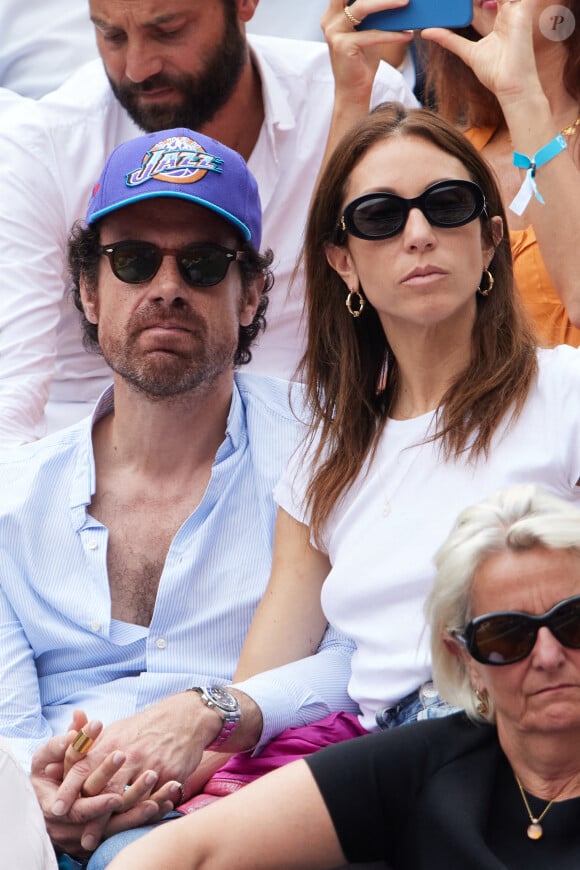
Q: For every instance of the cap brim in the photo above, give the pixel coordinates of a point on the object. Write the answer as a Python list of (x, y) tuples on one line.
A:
[(164, 194)]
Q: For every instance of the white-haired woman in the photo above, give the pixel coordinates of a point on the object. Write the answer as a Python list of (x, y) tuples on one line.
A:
[(495, 787)]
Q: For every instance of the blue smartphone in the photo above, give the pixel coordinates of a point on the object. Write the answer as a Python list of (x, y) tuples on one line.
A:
[(419, 14)]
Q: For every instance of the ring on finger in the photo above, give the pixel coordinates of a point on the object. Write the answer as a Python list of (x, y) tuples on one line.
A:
[(354, 21), (82, 743)]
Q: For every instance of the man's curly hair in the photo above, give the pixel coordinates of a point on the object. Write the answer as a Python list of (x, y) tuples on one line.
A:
[(83, 260)]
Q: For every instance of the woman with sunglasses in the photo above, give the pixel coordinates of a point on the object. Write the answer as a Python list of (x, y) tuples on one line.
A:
[(426, 392), (496, 786), (512, 82)]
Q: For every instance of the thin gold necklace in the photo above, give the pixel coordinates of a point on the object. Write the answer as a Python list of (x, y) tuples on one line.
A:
[(534, 829), (569, 130)]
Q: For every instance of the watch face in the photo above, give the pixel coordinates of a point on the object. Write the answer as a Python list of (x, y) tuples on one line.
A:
[(225, 700)]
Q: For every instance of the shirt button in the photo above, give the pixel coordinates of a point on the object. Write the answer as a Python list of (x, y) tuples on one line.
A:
[(161, 643), (96, 626), (93, 545)]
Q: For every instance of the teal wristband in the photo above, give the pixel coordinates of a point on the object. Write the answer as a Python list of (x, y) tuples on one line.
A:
[(529, 187)]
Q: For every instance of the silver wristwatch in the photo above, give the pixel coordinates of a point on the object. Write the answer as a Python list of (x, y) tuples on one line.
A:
[(224, 703)]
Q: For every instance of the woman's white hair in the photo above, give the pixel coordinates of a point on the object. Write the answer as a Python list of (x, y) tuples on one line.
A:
[(517, 518)]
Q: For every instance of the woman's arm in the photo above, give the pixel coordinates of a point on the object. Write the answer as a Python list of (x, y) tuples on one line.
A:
[(505, 62), (355, 57), (289, 623), (278, 821), (294, 667)]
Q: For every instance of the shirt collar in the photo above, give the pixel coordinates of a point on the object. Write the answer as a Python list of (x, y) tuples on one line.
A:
[(85, 482), (278, 112)]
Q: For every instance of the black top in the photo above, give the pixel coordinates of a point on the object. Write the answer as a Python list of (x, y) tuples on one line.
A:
[(439, 794)]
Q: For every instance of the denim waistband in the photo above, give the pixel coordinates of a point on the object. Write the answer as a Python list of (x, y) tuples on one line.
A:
[(424, 703)]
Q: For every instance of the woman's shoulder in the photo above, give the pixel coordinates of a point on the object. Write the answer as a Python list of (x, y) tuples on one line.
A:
[(562, 361)]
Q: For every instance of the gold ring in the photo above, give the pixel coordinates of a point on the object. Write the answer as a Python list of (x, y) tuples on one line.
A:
[(82, 742), (354, 21)]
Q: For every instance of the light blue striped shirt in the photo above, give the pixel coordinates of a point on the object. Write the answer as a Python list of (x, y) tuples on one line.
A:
[(59, 647)]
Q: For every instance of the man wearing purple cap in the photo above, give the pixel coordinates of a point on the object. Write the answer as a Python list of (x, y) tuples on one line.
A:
[(179, 63), (136, 544)]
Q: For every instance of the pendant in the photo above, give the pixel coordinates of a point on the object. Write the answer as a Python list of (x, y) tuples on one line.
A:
[(535, 831)]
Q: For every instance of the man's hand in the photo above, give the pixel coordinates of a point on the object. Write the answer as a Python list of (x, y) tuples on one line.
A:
[(161, 745), (65, 829), (86, 796), (96, 811)]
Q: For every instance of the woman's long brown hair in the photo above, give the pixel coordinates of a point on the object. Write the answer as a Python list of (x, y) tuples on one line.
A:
[(346, 358)]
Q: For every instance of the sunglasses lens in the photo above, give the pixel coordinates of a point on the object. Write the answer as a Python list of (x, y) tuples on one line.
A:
[(451, 205), (501, 640), (565, 624), (204, 266), (135, 263), (378, 217)]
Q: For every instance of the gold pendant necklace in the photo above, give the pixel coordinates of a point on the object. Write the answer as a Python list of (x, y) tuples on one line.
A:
[(534, 829)]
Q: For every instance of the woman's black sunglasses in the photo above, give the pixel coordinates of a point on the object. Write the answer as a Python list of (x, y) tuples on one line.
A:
[(200, 265), (508, 637), (381, 215)]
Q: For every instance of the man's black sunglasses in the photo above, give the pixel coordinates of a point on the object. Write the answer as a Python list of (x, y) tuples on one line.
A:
[(508, 637), (381, 215), (200, 265)]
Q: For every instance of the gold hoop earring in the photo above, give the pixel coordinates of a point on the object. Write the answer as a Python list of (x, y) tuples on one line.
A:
[(490, 283), (482, 702), (360, 303)]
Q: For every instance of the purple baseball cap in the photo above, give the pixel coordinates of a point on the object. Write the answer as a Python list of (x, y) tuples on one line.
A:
[(186, 165)]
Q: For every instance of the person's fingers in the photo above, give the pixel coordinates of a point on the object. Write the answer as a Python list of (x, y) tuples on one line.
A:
[(447, 39), (142, 813), (79, 719), (139, 790), (99, 778), (54, 771), (88, 809), (145, 813), (171, 792), (53, 751), (83, 741), (76, 767)]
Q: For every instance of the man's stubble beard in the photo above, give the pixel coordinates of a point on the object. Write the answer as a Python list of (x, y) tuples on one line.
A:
[(163, 374), (202, 96)]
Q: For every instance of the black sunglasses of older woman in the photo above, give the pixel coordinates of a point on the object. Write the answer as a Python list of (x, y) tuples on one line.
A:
[(508, 637), (380, 215)]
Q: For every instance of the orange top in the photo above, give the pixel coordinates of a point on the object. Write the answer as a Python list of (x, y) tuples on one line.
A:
[(533, 282)]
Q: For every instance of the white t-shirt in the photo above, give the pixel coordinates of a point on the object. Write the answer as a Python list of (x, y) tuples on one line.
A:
[(52, 154), (24, 841), (42, 42), (382, 538)]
